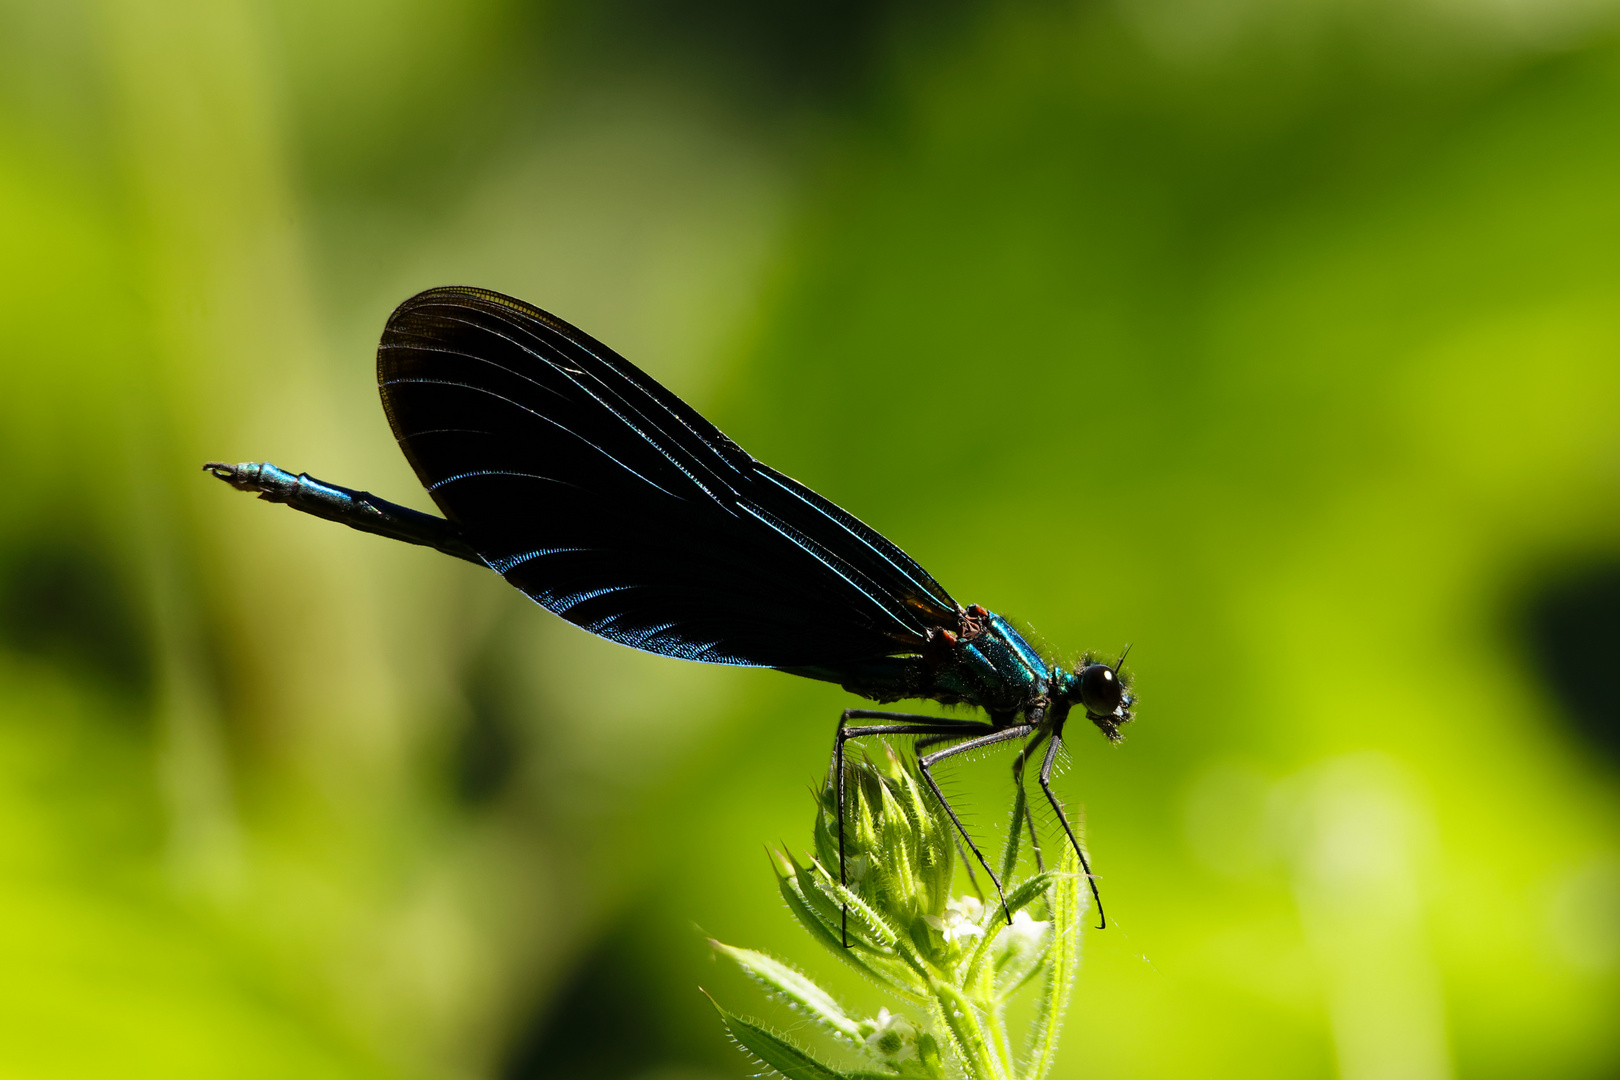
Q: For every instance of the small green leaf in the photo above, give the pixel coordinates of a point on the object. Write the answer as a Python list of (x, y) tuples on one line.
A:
[(1062, 960), (1015, 832), (772, 1050), (886, 936), (935, 840), (1034, 966), (1021, 897), (897, 844), (1031, 890), (962, 1020), (861, 917), (928, 1055), (799, 991), (863, 958)]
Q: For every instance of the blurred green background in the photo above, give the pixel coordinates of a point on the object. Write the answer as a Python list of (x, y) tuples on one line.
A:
[(1280, 339)]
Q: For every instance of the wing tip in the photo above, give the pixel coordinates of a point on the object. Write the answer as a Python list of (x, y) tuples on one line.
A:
[(477, 297)]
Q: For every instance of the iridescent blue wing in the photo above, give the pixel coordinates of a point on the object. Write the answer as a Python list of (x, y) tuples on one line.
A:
[(612, 503)]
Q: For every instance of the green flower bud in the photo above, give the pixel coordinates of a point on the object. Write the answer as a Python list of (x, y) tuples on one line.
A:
[(950, 962), (899, 846)]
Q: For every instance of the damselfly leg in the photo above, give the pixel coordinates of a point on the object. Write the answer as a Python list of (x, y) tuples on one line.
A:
[(1046, 786), (961, 852), (904, 724), (1018, 778), (925, 766)]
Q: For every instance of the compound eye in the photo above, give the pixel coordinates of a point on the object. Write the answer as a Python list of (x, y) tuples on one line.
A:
[(1100, 689)]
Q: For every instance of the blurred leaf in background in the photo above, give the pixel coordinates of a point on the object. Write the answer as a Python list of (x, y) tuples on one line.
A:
[(1281, 340)]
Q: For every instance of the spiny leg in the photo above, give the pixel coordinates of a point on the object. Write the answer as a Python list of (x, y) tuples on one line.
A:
[(973, 879), (934, 740), (924, 765), (1029, 815), (961, 852), (908, 724), (1046, 786), (1034, 841)]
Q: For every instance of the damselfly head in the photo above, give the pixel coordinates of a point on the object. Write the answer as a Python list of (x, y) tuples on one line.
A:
[(1101, 689)]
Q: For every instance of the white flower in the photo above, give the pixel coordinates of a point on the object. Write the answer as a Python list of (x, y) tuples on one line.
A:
[(961, 919), (968, 907), (1025, 935), (889, 1033)]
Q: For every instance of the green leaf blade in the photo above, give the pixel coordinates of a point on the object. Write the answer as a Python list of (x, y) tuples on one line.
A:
[(1062, 960), (963, 1022), (800, 993), (1021, 897), (772, 1050)]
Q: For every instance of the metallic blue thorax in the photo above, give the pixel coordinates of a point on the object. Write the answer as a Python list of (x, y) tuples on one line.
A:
[(997, 670), (994, 669)]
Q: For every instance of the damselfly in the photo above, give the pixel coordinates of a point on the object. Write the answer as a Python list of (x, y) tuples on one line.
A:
[(609, 501)]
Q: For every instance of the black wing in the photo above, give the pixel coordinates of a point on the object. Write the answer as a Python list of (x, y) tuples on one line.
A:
[(611, 502)]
